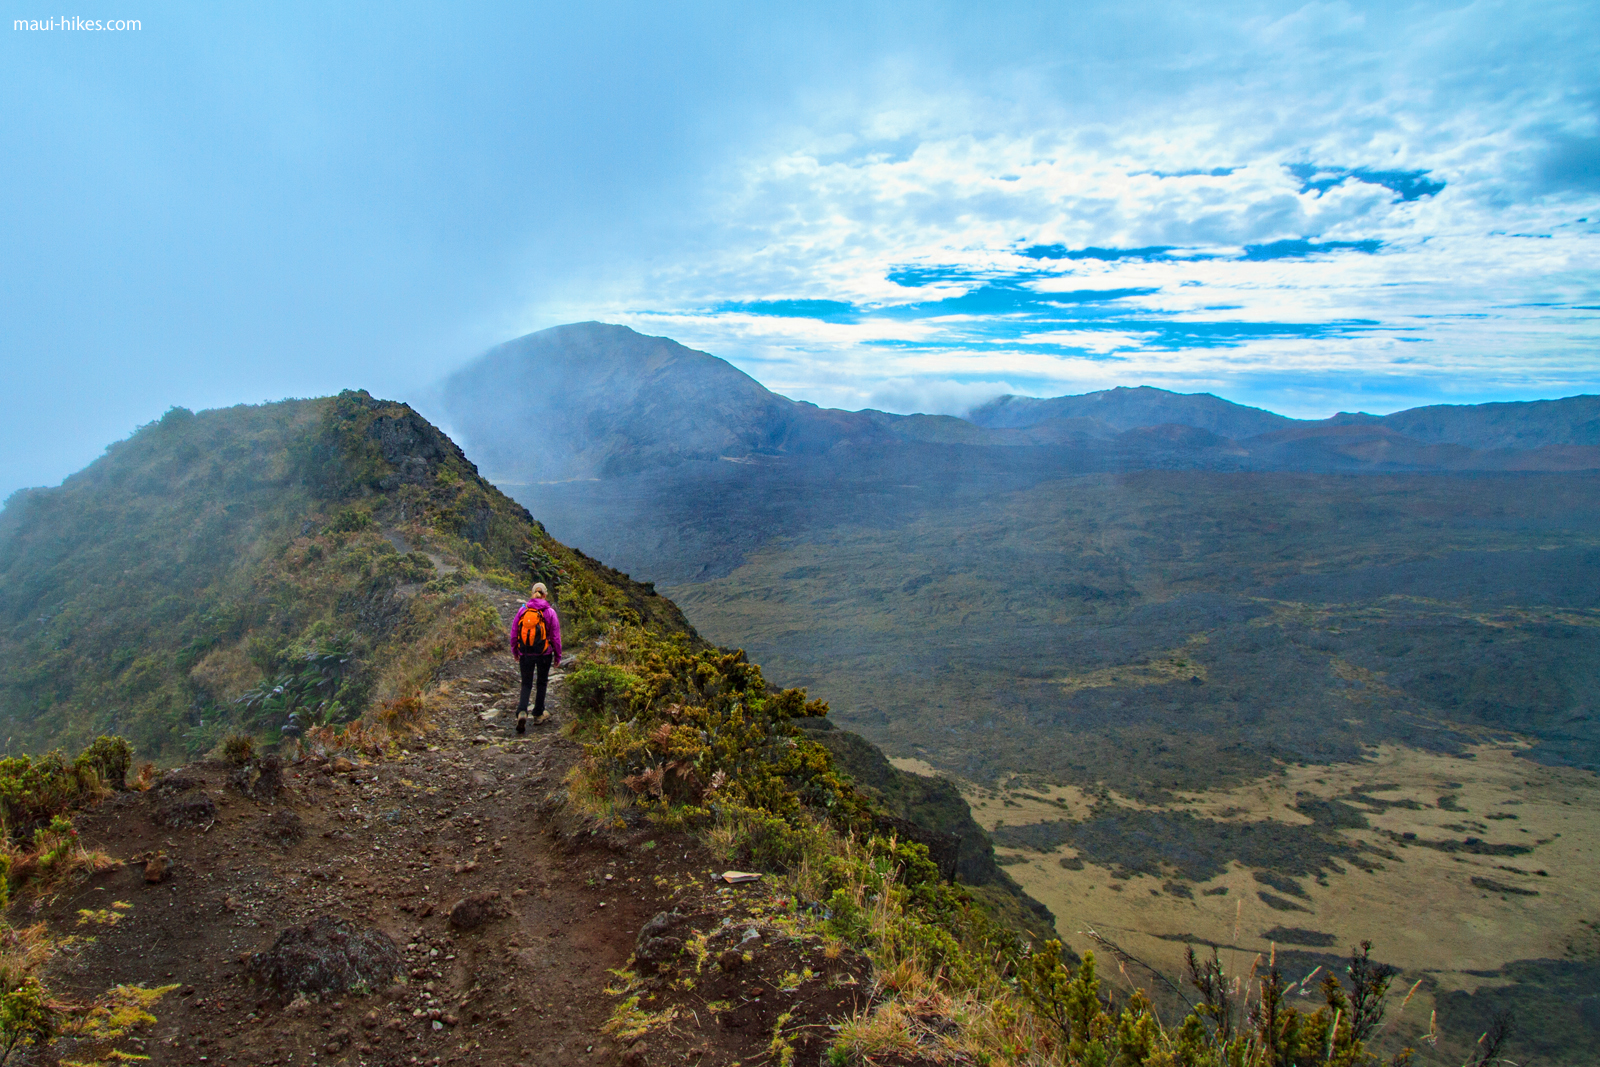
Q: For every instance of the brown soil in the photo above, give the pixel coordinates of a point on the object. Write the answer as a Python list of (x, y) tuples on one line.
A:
[(394, 847)]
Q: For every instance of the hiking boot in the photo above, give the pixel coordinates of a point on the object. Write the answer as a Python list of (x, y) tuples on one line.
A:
[(522, 724)]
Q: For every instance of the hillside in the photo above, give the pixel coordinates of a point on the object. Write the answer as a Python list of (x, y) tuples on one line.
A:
[(216, 571), (1572, 422), (1189, 696), (1131, 409), (331, 556), (340, 548)]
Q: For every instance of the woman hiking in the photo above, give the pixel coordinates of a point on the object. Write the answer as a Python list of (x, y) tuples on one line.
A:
[(536, 643)]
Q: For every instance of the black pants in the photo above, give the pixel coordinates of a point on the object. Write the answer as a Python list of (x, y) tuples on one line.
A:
[(533, 665)]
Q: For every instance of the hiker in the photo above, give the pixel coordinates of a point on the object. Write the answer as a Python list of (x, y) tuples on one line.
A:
[(536, 643)]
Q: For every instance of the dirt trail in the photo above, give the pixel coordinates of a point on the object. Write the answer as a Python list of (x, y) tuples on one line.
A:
[(408, 847), (391, 845)]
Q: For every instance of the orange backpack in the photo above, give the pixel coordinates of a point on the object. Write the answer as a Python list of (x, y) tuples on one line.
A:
[(533, 633)]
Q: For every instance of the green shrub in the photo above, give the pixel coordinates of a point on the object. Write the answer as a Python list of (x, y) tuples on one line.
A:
[(351, 520), (26, 1017), (446, 583), (411, 567), (753, 838), (238, 748), (598, 690), (316, 684), (35, 790), (110, 758), (846, 921), (545, 568), (53, 846)]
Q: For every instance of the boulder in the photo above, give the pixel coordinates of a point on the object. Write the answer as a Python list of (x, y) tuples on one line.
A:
[(171, 783), (282, 828), (327, 955), (661, 939), (187, 813), (477, 910), (261, 779)]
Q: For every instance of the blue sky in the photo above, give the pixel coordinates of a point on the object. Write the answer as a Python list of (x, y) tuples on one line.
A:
[(911, 206)]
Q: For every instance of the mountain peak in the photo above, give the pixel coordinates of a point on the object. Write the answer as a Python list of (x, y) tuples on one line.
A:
[(592, 399), (1132, 408)]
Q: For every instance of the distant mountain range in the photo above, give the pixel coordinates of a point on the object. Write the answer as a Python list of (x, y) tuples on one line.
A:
[(593, 400), (818, 539), (1573, 421)]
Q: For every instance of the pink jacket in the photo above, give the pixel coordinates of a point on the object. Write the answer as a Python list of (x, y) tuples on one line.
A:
[(538, 603)]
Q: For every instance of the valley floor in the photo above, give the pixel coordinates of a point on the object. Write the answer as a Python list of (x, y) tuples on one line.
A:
[(1468, 867)]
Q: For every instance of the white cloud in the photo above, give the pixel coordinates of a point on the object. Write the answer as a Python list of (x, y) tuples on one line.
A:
[(907, 168)]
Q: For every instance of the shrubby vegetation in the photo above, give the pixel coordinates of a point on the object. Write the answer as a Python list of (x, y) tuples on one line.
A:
[(40, 854), (693, 737), (36, 790), (220, 571)]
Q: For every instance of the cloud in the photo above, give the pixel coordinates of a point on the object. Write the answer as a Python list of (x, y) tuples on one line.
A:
[(1214, 172), (1300, 249), (1350, 205), (1109, 255), (934, 396)]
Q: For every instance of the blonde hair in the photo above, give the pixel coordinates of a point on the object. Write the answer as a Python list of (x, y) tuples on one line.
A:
[(540, 590)]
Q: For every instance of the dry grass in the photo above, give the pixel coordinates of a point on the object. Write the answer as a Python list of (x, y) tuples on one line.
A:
[(226, 672), (390, 722), (145, 778), (23, 950), (237, 748), (54, 861), (1017, 802)]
